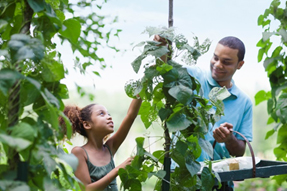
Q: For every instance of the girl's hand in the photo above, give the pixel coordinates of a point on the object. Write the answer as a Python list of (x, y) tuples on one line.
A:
[(128, 161), (160, 39)]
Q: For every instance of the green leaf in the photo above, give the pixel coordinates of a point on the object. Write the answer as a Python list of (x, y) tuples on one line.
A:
[(134, 184), (50, 163), (268, 61), (133, 88), (178, 158), (52, 71), (146, 113), (158, 51), (282, 134), (181, 147), (68, 125), (206, 146), (160, 174), (3, 25), (182, 93), (37, 5), (262, 96), (177, 121), (266, 35), (159, 154), (207, 178), (283, 33), (164, 113), (140, 149), (71, 160), (194, 146), (163, 68), (139, 45), (12, 185), (260, 20), (23, 47), (29, 93), (270, 120), (136, 64), (269, 134), (8, 78), (192, 166), (25, 131), (260, 54), (17, 143), (72, 30), (279, 152)]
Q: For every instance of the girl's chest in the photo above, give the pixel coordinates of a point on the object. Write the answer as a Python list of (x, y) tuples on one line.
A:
[(100, 158)]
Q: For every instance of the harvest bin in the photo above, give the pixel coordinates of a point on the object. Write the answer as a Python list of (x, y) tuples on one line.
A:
[(264, 169)]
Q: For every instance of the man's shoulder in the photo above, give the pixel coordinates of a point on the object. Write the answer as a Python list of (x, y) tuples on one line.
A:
[(243, 96), (196, 71)]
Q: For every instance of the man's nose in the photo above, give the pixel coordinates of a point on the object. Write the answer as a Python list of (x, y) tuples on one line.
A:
[(218, 64)]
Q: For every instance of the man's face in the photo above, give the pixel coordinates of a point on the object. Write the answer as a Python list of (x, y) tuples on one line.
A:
[(223, 64)]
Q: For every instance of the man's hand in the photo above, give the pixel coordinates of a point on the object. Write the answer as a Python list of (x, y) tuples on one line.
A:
[(223, 134)]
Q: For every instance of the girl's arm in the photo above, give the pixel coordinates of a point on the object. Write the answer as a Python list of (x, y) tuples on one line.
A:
[(117, 139), (82, 172)]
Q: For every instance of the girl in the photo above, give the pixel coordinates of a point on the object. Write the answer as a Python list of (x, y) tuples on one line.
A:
[(96, 168)]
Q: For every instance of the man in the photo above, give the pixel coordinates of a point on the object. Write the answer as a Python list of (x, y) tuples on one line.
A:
[(227, 59)]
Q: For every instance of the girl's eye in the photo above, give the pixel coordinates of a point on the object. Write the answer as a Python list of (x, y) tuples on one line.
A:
[(102, 113)]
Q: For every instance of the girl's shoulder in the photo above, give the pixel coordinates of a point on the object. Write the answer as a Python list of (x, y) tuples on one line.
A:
[(79, 151)]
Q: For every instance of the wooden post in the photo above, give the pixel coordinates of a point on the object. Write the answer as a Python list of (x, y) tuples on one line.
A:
[(167, 159)]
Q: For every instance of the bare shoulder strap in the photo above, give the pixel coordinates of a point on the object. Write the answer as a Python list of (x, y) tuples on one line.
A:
[(86, 153)]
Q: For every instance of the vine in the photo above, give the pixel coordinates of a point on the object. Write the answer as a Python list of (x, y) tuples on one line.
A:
[(172, 96)]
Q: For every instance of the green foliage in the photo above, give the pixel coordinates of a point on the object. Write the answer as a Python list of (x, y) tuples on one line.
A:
[(172, 96), (274, 25), (31, 92)]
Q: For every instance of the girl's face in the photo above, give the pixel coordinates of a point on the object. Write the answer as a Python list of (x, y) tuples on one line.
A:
[(101, 120)]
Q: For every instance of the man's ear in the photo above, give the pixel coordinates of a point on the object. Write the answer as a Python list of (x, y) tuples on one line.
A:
[(86, 125), (240, 64)]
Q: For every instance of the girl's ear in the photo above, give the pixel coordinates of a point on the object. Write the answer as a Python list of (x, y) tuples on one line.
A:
[(86, 125)]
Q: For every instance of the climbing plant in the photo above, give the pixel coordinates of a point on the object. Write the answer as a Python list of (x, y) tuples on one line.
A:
[(173, 97), (31, 91), (272, 51)]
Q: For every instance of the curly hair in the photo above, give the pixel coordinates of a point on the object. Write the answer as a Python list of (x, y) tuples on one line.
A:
[(77, 116)]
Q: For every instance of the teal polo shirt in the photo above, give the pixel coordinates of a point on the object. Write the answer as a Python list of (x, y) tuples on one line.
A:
[(237, 111)]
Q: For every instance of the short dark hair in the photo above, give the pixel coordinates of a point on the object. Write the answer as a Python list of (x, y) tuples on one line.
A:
[(234, 43)]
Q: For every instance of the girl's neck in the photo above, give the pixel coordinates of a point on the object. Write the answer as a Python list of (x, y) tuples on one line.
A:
[(96, 144)]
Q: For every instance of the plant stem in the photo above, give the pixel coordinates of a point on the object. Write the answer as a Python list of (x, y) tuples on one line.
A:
[(14, 96)]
